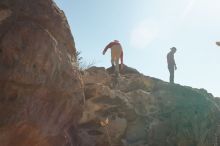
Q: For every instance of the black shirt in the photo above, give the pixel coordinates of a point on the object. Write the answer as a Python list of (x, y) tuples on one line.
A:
[(170, 59)]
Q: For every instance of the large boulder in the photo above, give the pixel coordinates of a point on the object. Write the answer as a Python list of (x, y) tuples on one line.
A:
[(144, 111), (41, 91)]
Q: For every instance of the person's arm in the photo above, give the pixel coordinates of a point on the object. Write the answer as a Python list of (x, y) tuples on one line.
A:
[(174, 63), (106, 48)]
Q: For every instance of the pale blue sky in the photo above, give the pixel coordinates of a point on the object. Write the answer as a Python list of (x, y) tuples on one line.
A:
[(147, 30)]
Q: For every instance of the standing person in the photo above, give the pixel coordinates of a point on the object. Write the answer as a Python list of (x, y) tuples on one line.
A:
[(116, 54), (171, 63)]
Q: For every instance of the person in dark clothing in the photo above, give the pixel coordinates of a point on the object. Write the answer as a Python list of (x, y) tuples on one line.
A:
[(171, 63)]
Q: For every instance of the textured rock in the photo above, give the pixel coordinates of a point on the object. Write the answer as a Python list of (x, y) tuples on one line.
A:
[(132, 82), (96, 75), (126, 70), (4, 14), (142, 102), (144, 111), (41, 91), (94, 90)]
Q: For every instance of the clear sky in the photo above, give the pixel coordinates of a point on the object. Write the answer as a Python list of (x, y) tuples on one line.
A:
[(147, 29)]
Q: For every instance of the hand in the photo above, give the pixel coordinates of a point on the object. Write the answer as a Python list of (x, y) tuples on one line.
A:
[(175, 67), (103, 52)]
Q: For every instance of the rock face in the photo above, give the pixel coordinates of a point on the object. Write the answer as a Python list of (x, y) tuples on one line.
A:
[(143, 111), (41, 91)]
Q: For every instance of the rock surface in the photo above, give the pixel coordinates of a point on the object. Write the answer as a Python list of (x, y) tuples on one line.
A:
[(41, 90), (143, 111)]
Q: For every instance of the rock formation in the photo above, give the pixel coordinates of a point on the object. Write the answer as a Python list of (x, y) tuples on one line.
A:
[(144, 111), (41, 90)]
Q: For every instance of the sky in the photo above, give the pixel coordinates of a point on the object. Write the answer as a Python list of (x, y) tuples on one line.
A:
[(147, 29)]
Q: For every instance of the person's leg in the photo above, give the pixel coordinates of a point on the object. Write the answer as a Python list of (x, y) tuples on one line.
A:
[(112, 59), (171, 70), (118, 52), (117, 66)]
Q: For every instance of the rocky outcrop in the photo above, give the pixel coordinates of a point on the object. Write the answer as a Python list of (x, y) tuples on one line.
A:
[(41, 91), (143, 111)]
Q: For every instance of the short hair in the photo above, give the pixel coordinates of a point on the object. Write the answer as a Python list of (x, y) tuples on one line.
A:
[(173, 49)]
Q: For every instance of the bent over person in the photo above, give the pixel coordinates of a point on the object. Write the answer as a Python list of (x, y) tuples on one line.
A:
[(171, 63), (116, 54)]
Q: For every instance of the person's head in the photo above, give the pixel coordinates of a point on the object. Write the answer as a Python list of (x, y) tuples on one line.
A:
[(218, 43), (173, 49), (117, 41)]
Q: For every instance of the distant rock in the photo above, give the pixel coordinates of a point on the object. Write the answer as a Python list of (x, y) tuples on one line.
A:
[(41, 90)]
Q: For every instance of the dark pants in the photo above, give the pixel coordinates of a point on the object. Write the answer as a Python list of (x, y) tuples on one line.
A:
[(171, 70)]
